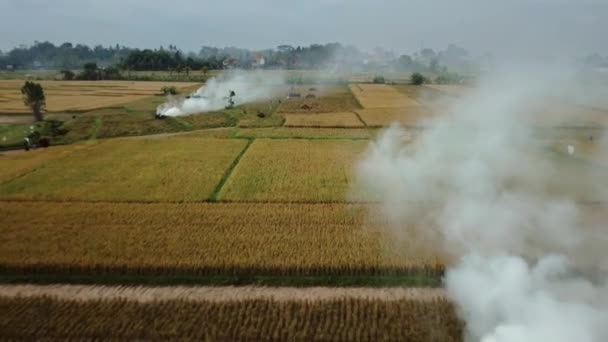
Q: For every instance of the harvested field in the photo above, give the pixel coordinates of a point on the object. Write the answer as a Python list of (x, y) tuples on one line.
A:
[(332, 120), (413, 116), (294, 170), (129, 170), (305, 133), (204, 239), (343, 319), (81, 95), (327, 99), (380, 96)]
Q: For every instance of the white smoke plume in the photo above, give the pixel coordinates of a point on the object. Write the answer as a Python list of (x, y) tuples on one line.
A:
[(214, 95), (507, 211)]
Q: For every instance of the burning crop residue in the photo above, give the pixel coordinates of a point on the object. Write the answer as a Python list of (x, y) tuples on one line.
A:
[(482, 184), (230, 89)]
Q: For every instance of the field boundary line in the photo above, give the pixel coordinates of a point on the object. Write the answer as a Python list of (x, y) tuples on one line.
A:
[(25, 173), (360, 119), (228, 173), (96, 127)]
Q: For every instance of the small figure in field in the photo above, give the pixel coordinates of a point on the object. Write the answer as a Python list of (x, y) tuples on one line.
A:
[(231, 96)]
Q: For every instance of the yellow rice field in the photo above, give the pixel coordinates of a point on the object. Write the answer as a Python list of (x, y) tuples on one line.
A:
[(202, 238), (336, 119), (81, 95), (182, 169), (406, 116), (295, 170), (380, 96)]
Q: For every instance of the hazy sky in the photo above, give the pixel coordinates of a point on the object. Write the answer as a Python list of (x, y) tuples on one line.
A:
[(520, 26)]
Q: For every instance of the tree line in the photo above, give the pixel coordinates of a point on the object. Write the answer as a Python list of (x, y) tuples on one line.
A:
[(67, 56)]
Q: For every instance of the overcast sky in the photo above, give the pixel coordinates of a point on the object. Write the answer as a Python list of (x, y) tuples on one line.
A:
[(519, 26)]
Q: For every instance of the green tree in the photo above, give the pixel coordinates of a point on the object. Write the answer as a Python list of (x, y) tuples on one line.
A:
[(417, 79), (68, 74), (33, 97)]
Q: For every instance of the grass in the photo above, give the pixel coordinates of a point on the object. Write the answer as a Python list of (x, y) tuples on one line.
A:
[(198, 240), (131, 170), (295, 170), (335, 120), (340, 319)]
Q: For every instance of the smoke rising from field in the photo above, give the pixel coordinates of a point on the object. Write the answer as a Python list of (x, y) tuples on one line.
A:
[(214, 95), (481, 182)]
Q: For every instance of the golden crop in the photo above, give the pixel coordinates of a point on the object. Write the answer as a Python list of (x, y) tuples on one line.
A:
[(380, 96), (81, 95), (338, 119), (181, 169), (344, 319), (295, 170), (203, 239)]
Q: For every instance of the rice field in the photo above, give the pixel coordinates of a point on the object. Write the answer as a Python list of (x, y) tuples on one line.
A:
[(319, 99), (380, 96), (128, 170), (331, 120), (304, 133), (204, 239), (17, 164), (342, 319), (78, 96), (413, 116), (295, 170)]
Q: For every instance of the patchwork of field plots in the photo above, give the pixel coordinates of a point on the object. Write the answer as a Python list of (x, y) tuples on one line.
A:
[(130, 170), (336, 120), (295, 170), (380, 96), (202, 239), (81, 95)]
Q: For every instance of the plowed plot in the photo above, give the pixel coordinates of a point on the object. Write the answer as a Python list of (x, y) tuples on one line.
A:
[(380, 96), (131, 170), (335, 120), (81, 95), (295, 170), (321, 99), (201, 239), (406, 116)]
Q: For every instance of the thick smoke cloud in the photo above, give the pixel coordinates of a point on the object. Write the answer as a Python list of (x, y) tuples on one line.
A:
[(215, 94), (482, 185)]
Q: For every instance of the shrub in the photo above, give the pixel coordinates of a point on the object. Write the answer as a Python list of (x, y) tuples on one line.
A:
[(379, 80), (417, 79), (168, 90)]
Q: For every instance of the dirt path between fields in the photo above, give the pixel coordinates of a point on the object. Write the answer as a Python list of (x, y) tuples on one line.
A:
[(215, 294)]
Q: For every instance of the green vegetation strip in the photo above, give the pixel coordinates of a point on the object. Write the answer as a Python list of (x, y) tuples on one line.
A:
[(412, 280), (218, 188)]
